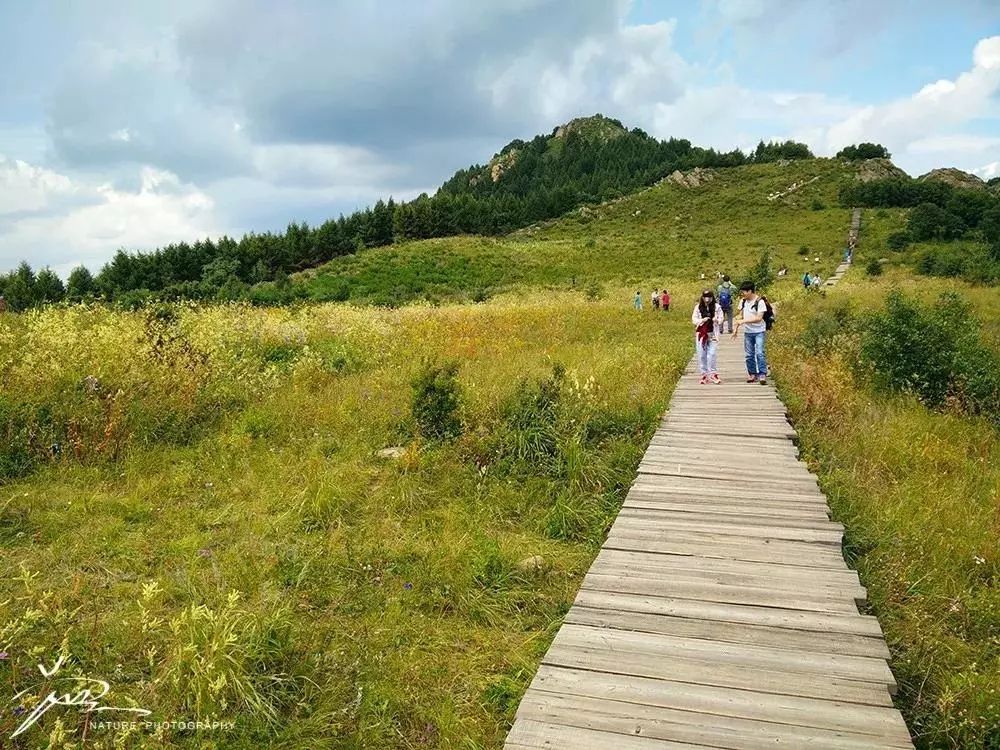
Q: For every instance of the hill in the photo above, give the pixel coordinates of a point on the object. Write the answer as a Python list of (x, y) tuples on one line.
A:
[(669, 231), (586, 160)]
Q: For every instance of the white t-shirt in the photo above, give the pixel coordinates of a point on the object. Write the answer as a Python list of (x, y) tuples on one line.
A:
[(751, 309)]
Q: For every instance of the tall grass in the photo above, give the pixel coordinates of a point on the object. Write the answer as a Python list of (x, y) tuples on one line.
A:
[(917, 485), (265, 565)]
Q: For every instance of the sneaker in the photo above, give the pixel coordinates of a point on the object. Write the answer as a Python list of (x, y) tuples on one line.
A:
[(762, 381), (716, 380), (752, 379), (704, 380)]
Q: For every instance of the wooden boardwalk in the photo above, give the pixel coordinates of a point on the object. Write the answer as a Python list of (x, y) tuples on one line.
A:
[(719, 612)]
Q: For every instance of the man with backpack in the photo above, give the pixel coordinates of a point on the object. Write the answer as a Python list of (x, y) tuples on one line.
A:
[(725, 294), (756, 318)]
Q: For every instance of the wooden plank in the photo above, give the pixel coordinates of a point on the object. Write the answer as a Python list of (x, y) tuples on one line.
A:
[(778, 617), (718, 674), (667, 575), (720, 544), (679, 588), (654, 521), (774, 570), (769, 568), (751, 656), (712, 630), (699, 548), (723, 514), (748, 704), (527, 733), (705, 730)]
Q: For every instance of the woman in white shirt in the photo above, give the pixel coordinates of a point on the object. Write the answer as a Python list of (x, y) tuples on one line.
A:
[(707, 319)]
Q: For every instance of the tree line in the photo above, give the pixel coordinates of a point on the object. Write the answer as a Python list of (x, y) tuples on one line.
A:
[(540, 180), (939, 213)]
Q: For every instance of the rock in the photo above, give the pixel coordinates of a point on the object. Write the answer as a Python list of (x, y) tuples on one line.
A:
[(533, 564), (878, 169), (394, 452), (91, 384), (955, 178)]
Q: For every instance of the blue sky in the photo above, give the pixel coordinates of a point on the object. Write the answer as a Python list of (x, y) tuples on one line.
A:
[(136, 124)]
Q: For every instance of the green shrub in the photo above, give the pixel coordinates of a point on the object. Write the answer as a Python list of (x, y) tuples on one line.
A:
[(898, 240), (934, 352), (530, 433), (824, 329), (817, 204), (435, 402), (873, 267)]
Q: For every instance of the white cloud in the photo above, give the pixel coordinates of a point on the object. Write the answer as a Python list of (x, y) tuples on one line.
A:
[(162, 210), (24, 187), (988, 171), (933, 110)]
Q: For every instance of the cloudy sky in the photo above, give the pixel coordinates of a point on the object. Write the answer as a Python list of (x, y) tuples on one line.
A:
[(127, 124)]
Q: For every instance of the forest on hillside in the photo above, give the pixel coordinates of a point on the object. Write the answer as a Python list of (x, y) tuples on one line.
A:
[(587, 161)]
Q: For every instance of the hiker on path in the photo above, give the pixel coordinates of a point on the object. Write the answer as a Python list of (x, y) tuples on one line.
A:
[(817, 282), (638, 300), (752, 312), (806, 281), (726, 292), (665, 301), (654, 298), (707, 319)]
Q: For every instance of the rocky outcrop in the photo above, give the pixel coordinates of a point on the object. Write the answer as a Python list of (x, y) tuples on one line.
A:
[(955, 178), (503, 162), (695, 178), (878, 169), (597, 127)]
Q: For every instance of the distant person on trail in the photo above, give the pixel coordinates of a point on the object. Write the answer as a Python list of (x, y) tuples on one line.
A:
[(707, 320), (783, 271), (655, 299), (665, 301), (752, 312), (816, 281), (638, 300), (806, 281), (726, 292)]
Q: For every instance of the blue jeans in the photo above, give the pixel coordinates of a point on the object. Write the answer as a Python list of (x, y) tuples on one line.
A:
[(727, 313), (753, 347)]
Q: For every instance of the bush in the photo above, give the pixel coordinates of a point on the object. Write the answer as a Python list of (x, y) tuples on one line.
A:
[(933, 352), (823, 330), (817, 204), (898, 240), (761, 273), (864, 151), (873, 267), (929, 221), (436, 399)]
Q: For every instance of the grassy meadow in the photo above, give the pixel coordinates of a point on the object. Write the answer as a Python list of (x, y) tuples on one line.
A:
[(198, 514)]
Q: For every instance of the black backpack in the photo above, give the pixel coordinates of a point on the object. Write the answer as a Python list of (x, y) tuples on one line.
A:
[(768, 314)]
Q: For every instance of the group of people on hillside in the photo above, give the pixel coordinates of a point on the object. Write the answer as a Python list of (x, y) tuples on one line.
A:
[(811, 281), (714, 314), (659, 300)]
